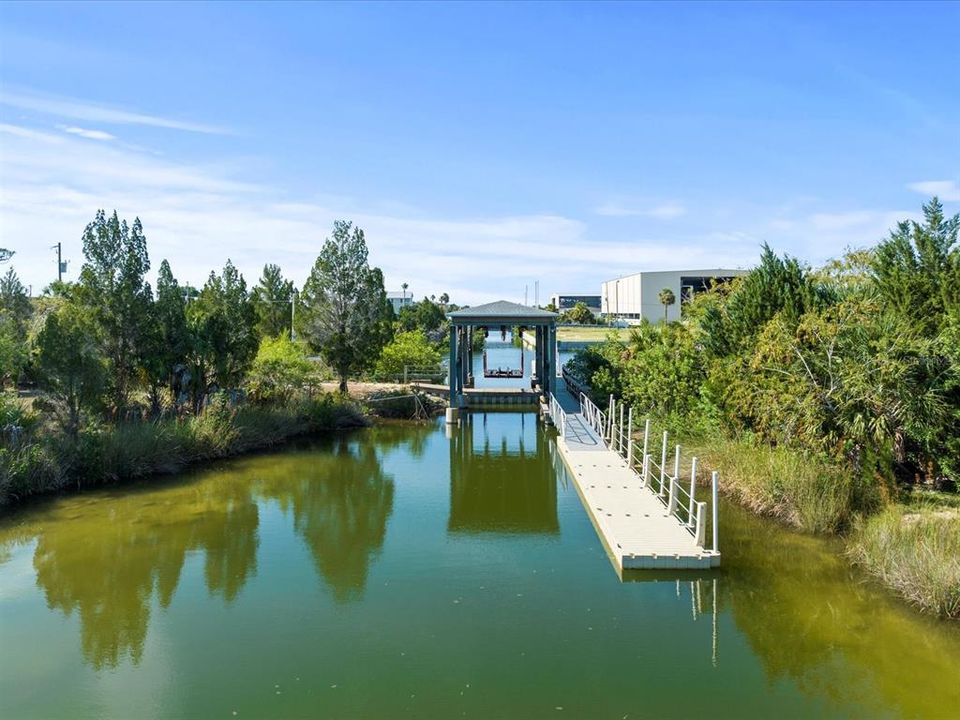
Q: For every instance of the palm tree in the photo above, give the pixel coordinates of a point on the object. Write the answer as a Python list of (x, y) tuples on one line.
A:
[(404, 286), (667, 298)]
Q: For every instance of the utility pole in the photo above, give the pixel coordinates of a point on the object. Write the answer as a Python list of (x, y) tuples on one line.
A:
[(293, 315), (526, 290), (60, 265)]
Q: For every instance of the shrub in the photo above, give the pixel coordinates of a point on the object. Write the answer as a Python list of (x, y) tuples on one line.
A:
[(409, 349)]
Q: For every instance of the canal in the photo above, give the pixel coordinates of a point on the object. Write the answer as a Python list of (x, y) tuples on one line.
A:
[(398, 572)]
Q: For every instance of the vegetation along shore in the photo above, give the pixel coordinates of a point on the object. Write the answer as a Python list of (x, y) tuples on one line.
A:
[(828, 398)]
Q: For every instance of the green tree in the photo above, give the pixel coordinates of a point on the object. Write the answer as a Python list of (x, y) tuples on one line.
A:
[(70, 368), (113, 288), (271, 302), (345, 310), (169, 341), (918, 268), (666, 298), (580, 314), (221, 320), (409, 349), (279, 370), (15, 311), (425, 315)]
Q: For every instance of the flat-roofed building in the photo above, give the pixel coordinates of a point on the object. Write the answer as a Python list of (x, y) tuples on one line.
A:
[(635, 297), (567, 302)]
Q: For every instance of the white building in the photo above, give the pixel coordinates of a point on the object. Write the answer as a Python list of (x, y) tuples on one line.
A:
[(400, 299), (635, 297)]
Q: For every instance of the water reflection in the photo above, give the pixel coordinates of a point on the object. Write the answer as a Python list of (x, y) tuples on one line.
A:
[(340, 507), (108, 555), (106, 559), (501, 481)]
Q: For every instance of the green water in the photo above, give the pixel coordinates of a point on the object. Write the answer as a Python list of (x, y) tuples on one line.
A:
[(397, 573)]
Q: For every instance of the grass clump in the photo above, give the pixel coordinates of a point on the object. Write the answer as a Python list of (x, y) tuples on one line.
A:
[(914, 550), (799, 489)]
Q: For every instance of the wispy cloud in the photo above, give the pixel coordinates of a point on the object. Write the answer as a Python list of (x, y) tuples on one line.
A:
[(89, 134), (662, 211), (947, 190), (92, 112)]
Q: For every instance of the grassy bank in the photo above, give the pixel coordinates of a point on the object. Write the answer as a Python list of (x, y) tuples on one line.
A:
[(800, 490), (911, 546), (47, 461), (915, 551)]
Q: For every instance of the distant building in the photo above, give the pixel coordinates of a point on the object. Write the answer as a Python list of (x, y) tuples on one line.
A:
[(566, 302), (399, 300), (635, 297)]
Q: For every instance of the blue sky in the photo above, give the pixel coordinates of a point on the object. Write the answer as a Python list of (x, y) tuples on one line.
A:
[(482, 147)]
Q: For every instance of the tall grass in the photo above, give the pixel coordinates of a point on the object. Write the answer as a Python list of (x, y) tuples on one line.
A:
[(802, 490), (50, 461), (916, 553)]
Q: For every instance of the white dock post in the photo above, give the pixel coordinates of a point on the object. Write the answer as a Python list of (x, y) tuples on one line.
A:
[(611, 408), (672, 503), (646, 470), (630, 439), (716, 529), (620, 432), (676, 463), (693, 491), (646, 437), (663, 462)]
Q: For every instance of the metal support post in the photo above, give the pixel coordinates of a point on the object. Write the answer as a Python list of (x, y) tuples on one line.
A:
[(630, 439), (715, 481), (693, 491)]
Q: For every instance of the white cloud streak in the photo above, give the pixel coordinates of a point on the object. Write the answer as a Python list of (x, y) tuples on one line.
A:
[(91, 112), (946, 190), (664, 211), (88, 134)]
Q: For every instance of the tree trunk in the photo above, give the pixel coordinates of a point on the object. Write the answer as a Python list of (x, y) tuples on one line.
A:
[(343, 385)]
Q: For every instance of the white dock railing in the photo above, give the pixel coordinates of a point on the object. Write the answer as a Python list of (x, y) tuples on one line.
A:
[(615, 427), (558, 415)]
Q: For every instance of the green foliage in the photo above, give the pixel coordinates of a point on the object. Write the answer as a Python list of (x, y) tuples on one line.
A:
[(345, 310), (113, 289), (15, 312), (71, 371), (663, 372), (279, 370), (579, 314), (666, 298), (272, 298), (425, 315), (777, 286), (168, 341), (221, 322), (917, 268), (407, 349)]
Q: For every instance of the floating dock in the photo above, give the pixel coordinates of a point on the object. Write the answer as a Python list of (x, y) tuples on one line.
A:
[(645, 519)]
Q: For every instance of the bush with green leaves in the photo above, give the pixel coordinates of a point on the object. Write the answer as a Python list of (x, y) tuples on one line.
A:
[(279, 371), (411, 350)]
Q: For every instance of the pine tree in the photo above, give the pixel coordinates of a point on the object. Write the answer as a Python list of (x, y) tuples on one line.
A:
[(271, 301), (345, 310)]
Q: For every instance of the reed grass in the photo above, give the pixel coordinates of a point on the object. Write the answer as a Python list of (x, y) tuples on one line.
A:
[(50, 461), (914, 551)]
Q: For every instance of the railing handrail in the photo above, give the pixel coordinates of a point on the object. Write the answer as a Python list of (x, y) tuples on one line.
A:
[(665, 483)]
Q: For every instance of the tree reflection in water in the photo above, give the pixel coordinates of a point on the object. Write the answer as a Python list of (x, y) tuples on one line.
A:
[(105, 555), (340, 509)]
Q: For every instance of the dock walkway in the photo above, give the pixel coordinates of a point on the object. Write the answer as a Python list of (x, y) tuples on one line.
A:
[(645, 520)]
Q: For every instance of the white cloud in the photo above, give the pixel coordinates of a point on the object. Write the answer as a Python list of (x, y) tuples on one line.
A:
[(89, 134), (91, 112), (946, 190), (619, 208)]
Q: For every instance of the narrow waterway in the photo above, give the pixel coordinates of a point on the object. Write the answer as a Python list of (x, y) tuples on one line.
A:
[(399, 572)]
